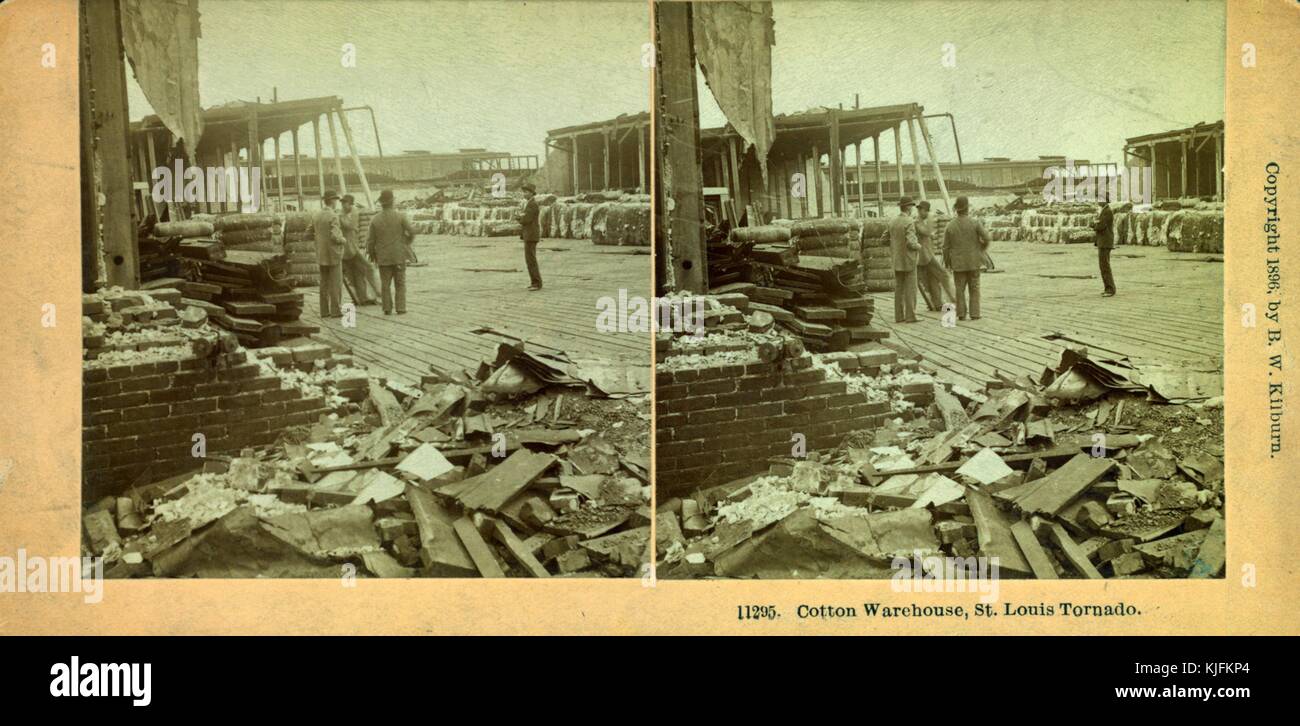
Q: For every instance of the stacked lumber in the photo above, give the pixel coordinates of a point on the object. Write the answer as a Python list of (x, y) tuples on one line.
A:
[(825, 295), (159, 262), (245, 293)]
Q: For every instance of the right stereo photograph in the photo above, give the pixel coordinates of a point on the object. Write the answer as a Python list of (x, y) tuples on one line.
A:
[(939, 285)]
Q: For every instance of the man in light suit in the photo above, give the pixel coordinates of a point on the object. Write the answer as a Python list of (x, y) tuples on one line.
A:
[(903, 247), (330, 244)]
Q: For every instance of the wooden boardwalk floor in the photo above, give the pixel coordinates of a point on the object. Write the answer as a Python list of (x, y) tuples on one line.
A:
[(472, 283), (1169, 307)]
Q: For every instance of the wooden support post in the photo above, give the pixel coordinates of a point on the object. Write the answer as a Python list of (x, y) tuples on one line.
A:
[(605, 179), (880, 182), (640, 161), (857, 156), (279, 176), (686, 267), (916, 157), (816, 186), (898, 159), (741, 195), (1218, 167), (833, 154), (1182, 186), (238, 188), (356, 160), (574, 154), (254, 162), (934, 164), (107, 78), (338, 161), (320, 157), (297, 169)]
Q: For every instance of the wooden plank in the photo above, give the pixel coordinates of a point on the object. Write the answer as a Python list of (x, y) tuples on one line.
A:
[(478, 550), (1051, 493), (441, 551), (1213, 555), (1033, 551), (518, 550), (1073, 552), (993, 528), (506, 479)]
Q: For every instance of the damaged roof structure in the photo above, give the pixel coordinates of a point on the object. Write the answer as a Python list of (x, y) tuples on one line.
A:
[(1184, 162)]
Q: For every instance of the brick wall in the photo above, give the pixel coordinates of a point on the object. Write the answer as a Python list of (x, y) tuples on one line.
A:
[(715, 424), (143, 417)]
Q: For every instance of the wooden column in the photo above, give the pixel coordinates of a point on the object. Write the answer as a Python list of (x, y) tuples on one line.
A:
[(338, 161), (898, 159), (678, 154), (356, 160), (833, 154), (107, 78), (605, 180), (742, 194), (640, 160), (574, 139), (1182, 186), (279, 176), (934, 163), (857, 156), (916, 157), (297, 169), (880, 182), (1218, 167), (238, 188), (320, 157)]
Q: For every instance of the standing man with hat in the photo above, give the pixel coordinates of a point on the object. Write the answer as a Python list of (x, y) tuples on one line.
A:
[(903, 247), (964, 243), (330, 245), (356, 271), (531, 233), (389, 240), (1105, 242), (931, 275)]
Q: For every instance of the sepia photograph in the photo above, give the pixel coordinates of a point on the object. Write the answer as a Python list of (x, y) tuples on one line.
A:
[(355, 282), (942, 290)]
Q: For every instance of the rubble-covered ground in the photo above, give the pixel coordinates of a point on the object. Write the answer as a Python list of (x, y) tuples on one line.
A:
[(1101, 469), (524, 467)]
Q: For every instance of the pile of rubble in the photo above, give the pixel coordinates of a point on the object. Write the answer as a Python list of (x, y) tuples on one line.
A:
[(1099, 469), (530, 466)]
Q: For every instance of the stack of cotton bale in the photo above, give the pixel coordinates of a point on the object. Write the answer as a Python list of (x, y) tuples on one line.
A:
[(300, 249), (253, 232), (1195, 231), (621, 223), (829, 237)]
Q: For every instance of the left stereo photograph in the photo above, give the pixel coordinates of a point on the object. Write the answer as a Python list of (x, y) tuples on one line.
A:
[(365, 288)]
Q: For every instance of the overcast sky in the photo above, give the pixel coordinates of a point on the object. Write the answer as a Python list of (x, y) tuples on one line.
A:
[(1032, 77), (440, 75)]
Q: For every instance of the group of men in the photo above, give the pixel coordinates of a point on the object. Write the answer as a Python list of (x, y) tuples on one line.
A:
[(388, 240), (338, 252), (914, 258), (965, 243)]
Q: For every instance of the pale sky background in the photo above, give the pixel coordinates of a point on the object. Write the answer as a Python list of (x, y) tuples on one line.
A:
[(440, 75), (1033, 77)]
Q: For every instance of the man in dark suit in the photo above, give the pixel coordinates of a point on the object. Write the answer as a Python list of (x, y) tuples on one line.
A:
[(1104, 227), (903, 248), (530, 232), (964, 246)]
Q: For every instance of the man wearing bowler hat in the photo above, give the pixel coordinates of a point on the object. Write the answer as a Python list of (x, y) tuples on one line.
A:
[(530, 232), (964, 244), (330, 245), (903, 247), (389, 239)]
